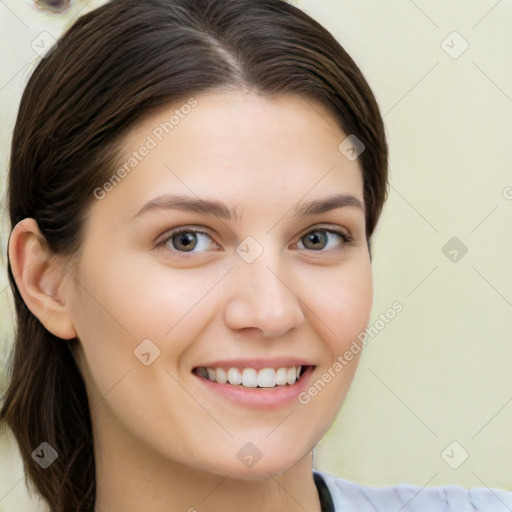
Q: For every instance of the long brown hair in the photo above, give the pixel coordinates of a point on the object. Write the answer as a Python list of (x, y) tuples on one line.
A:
[(114, 65)]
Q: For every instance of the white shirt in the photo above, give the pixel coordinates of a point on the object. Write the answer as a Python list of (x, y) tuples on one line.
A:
[(348, 496)]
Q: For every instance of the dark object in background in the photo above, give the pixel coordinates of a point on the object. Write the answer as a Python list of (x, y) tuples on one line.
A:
[(53, 6)]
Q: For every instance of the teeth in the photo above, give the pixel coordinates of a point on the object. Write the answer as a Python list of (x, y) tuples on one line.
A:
[(203, 372), (267, 378), (234, 377), (249, 378), (220, 376), (291, 375), (252, 378), (281, 377)]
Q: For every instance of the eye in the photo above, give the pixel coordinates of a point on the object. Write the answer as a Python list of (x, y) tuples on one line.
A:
[(187, 240), (192, 240), (320, 239)]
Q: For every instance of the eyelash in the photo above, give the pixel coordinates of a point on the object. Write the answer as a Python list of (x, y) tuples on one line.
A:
[(345, 237)]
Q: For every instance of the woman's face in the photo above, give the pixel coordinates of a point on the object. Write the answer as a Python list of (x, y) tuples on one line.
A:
[(236, 239)]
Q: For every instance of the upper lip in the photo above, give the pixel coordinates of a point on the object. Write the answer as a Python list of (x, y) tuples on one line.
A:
[(278, 362)]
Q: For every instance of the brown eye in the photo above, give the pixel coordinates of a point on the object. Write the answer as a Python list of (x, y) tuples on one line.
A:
[(315, 240), (320, 239), (188, 240), (185, 241)]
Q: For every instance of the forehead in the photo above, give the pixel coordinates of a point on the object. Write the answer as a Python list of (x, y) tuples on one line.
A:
[(239, 147)]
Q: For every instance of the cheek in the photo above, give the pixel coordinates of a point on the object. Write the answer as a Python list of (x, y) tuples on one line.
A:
[(141, 300), (120, 315), (117, 309), (342, 302), (342, 306)]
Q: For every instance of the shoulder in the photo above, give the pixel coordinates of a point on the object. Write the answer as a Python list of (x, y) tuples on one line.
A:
[(349, 496)]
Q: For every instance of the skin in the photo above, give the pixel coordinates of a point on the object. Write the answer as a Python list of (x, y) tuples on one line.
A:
[(161, 441)]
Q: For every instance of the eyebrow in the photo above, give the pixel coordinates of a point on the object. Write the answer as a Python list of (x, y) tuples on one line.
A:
[(223, 211)]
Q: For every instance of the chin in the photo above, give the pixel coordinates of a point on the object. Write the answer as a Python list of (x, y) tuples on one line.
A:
[(262, 469)]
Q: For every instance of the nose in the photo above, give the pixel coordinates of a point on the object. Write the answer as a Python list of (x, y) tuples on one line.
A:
[(262, 298)]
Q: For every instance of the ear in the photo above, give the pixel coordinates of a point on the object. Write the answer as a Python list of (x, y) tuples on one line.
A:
[(40, 277)]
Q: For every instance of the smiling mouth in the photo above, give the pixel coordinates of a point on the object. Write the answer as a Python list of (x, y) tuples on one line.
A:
[(252, 378)]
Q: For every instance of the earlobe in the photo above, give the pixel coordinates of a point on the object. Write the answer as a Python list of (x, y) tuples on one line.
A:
[(40, 277)]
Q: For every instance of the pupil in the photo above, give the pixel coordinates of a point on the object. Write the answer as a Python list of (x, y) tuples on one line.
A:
[(185, 241)]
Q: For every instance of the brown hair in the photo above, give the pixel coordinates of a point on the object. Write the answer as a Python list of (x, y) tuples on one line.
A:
[(114, 65)]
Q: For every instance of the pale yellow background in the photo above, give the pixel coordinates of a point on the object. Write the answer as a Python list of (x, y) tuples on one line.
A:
[(441, 370)]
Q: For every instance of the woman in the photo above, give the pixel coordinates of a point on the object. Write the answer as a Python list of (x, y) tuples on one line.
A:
[(192, 200)]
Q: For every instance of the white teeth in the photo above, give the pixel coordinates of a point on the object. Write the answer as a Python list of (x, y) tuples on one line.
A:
[(251, 378), (281, 377), (267, 378), (291, 375), (234, 376), (220, 376)]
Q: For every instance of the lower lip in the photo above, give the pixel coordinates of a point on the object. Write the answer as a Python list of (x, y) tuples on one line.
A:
[(260, 398)]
